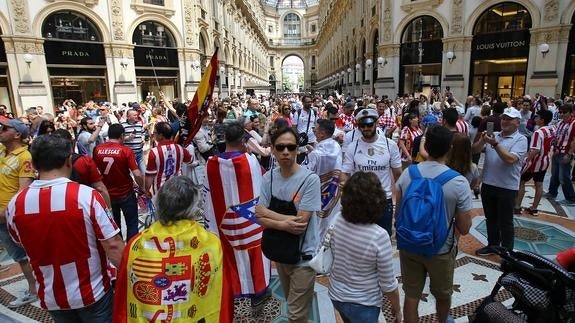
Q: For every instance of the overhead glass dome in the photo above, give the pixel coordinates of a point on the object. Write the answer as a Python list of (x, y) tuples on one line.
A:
[(291, 3)]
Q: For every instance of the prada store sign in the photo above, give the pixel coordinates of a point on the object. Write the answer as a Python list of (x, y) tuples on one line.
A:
[(501, 45), (156, 56), (74, 53)]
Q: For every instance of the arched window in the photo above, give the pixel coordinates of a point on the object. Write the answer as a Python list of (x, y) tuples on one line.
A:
[(70, 25), (504, 17), (422, 29), (292, 26), (153, 34)]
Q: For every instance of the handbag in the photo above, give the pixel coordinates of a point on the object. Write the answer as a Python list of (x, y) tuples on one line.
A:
[(323, 259), (282, 246)]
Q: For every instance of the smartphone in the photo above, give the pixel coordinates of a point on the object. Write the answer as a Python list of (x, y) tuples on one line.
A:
[(490, 128)]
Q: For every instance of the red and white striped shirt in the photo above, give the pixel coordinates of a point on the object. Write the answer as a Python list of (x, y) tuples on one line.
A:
[(540, 141), (565, 134), (165, 160), (60, 224), (386, 120), (462, 126), (345, 122)]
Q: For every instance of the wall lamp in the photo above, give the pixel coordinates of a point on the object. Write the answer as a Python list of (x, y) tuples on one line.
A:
[(544, 49), (358, 66), (450, 56), (124, 62), (222, 70), (381, 61), (195, 65), (28, 58), (349, 70)]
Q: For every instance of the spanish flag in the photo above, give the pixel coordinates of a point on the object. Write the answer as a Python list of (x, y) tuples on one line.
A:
[(171, 274), (198, 109)]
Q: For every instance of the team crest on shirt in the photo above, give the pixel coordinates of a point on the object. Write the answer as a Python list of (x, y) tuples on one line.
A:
[(371, 151)]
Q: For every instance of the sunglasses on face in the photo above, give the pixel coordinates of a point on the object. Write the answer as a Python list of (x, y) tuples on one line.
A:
[(281, 147), (366, 125)]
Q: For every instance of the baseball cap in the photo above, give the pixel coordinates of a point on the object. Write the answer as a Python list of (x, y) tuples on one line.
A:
[(366, 116), (428, 120), (18, 125), (135, 106), (512, 113)]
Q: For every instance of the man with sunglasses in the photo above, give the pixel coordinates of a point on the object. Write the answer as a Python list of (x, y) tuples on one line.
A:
[(16, 173), (375, 153)]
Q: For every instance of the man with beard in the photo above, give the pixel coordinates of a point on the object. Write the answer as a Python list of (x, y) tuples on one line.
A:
[(374, 153), (304, 122), (89, 136)]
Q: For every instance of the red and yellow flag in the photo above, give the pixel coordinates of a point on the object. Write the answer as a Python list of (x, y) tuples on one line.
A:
[(198, 108), (171, 274)]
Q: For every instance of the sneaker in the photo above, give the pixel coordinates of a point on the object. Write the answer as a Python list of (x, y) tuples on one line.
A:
[(485, 251), (517, 210), (549, 196), (567, 202), (532, 211), (3, 268), (26, 298)]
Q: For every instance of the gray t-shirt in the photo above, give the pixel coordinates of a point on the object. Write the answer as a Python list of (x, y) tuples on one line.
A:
[(456, 193), (308, 198), (497, 172)]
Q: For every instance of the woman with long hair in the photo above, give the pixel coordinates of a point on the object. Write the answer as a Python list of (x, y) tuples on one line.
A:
[(362, 270), (459, 158)]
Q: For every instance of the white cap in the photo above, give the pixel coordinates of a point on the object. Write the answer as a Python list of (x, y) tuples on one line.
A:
[(512, 113), (367, 113)]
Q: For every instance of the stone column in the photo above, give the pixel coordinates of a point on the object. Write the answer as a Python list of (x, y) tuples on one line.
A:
[(388, 72), (547, 52), (27, 73), (456, 71), (121, 72)]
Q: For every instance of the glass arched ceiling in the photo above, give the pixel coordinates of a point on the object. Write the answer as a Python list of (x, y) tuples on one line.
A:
[(291, 3)]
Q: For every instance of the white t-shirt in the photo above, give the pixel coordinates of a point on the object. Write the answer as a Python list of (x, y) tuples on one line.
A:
[(377, 157)]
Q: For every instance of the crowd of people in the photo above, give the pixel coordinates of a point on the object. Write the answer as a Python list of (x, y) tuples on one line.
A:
[(264, 179)]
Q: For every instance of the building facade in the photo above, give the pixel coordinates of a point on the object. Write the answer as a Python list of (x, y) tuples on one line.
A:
[(126, 50), (488, 48)]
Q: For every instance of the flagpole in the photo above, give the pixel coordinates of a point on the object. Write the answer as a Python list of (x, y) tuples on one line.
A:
[(154, 70)]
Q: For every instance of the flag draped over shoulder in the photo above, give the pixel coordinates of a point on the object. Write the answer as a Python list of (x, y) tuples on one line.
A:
[(232, 193), (198, 109), (171, 273), (326, 161)]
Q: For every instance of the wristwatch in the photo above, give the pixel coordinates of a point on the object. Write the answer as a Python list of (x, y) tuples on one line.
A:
[(494, 145)]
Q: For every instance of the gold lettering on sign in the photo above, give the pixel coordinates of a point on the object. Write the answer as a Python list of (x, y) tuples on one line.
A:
[(73, 53)]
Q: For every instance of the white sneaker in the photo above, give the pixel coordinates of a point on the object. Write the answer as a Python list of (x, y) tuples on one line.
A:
[(25, 298)]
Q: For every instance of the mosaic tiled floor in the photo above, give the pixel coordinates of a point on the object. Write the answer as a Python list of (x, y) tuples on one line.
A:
[(474, 277)]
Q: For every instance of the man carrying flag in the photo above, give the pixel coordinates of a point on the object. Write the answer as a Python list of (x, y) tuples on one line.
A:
[(233, 189), (191, 120)]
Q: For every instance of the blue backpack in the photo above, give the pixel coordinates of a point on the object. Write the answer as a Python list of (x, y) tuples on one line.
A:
[(421, 226)]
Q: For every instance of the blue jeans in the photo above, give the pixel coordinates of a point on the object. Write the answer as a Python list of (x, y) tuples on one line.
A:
[(140, 161), (99, 312), (16, 252), (129, 206), (561, 175), (386, 217), (356, 313)]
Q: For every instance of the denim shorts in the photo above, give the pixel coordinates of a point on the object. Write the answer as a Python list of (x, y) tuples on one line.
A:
[(16, 252)]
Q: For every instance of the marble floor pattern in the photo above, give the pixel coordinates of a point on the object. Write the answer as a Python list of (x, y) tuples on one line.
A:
[(474, 279)]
